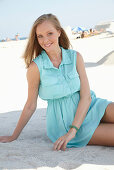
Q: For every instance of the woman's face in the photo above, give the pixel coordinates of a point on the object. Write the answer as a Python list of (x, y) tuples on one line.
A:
[(47, 36)]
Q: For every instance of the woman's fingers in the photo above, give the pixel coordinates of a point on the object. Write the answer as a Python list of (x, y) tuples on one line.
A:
[(64, 145), (62, 141), (2, 139), (56, 144), (60, 144), (5, 139)]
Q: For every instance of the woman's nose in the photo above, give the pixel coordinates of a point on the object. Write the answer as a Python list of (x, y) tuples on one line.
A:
[(45, 39)]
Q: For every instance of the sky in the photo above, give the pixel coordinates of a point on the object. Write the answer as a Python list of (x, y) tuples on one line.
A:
[(17, 16)]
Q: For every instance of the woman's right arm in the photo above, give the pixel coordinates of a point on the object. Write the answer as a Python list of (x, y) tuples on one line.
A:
[(33, 78)]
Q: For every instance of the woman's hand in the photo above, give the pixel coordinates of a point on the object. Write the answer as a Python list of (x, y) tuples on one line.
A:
[(5, 139), (61, 143)]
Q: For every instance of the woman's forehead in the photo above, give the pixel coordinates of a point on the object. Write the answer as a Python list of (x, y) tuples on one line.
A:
[(45, 26)]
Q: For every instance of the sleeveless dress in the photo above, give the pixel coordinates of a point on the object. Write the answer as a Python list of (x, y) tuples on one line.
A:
[(61, 88)]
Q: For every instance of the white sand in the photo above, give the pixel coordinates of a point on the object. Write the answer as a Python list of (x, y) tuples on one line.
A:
[(33, 149)]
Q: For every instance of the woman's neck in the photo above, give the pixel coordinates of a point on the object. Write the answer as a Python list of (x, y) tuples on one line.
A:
[(55, 55)]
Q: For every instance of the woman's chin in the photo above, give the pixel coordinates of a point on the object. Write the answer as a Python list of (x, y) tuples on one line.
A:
[(48, 48)]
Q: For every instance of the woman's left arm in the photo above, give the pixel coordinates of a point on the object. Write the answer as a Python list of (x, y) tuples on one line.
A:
[(83, 106), (85, 96)]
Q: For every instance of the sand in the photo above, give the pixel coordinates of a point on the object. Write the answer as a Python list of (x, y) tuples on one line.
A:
[(33, 149)]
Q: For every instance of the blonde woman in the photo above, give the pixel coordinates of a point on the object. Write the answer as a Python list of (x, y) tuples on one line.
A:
[(75, 116)]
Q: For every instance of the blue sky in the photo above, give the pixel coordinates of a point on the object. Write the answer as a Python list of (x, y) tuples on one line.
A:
[(17, 16)]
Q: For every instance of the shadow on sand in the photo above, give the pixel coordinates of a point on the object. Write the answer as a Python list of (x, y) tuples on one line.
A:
[(106, 60)]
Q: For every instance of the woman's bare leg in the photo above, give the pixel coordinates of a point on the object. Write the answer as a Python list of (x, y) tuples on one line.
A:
[(104, 134), (109, 114)]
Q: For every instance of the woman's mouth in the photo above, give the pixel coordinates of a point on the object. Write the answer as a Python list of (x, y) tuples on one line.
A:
[(48, 45)]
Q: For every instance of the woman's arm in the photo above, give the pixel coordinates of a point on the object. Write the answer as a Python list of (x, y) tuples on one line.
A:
[(33, 78), (85, 96)]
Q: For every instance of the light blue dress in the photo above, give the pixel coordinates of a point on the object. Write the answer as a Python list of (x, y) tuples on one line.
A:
[(61, 88)]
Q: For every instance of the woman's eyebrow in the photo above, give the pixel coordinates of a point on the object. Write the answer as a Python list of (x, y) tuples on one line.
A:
[(38, 34), (46, 32)]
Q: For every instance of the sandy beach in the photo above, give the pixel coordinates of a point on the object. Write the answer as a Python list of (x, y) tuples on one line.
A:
[(33, 149)]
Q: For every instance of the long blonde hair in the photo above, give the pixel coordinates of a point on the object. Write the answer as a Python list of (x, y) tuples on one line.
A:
[(33, 49)]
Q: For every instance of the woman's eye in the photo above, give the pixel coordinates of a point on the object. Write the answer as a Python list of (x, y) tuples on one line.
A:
[(50, 33), (40, 36)]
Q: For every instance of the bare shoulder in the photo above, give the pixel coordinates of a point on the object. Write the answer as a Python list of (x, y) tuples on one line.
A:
[(33, 70), (79, 56), (33, 78), (33, 73), (80, 62)]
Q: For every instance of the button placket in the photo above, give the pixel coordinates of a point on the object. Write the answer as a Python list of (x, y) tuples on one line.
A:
[(67, 82)]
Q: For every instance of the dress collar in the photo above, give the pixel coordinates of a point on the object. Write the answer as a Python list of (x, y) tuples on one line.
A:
[(47, 62)]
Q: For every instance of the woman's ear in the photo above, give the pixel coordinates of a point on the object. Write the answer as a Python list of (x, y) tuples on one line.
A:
[(59, 31)]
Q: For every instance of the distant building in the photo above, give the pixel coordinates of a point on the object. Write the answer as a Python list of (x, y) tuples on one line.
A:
[(105, 26)]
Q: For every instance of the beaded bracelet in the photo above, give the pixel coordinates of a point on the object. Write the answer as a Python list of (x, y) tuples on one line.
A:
[(72, 126)]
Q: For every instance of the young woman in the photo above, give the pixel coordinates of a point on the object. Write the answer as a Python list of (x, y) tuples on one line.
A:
[(75, 116)]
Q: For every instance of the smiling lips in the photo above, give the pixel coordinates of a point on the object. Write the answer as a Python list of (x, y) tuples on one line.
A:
[(48, 45)]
